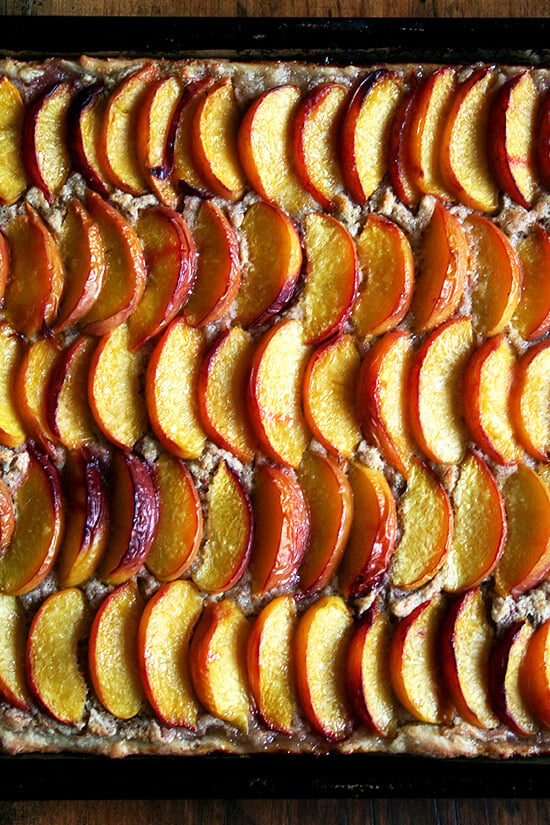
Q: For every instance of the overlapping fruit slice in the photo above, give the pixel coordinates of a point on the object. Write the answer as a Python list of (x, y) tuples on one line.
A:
[(32, 385), (530, 396), (13, 643), (154, 122), (532, 314), (504, 679), (13, 177), (45, 139), (69, 412)]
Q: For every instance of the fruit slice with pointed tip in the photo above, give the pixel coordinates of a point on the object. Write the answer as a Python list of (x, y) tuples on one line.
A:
[(69, 413), (13, 177), (4, 264), (156, 113), (464, 153), (534, 674), (32, 385), (163, 641), (320, 647), (477, 543), (525, 561), (112, 652), (85, 123), (532, 314), (45, 145), (7, 517), (530, 396), (399, 172), (170, 390), (180, 524), (270, 664), (229, 533), (12, 433), (53, 669), (217, 658), (387, 267), (504, 670), (13, 642), (185, 175), (373, 532), (426, 515)]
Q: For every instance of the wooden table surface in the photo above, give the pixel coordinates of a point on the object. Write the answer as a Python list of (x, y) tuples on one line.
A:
[(281, 812)]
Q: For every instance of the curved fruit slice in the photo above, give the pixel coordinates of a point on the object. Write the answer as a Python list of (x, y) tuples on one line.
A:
[(53, 669), (439, 288), (316, 130), (85, 122), (45, 143), (4, 263), (466, 642), (532, 314), (12, 351), (69, 413), (215, 128), (180, 524), (435, 391), (164, 637), (134, 518), (320, 647), (530, 396), (526, 557), (275, 392), (373, 532), (265, 148), (464, 154), (112, 652), (387, 267), (217, 658), (478, 541), (13, 642), (331, 277), (368, 674), (115, 388), (169, 253), (7, 517), (534, 674), (426, 516), (39, 523), (170, 390), (495, 275), (32, 385), (221, 385), (185, 176), (365, 131), (273, 263), (383, 398), (328, 497), (218, 272), (329, 395), (504, 670), (488, 381), (282, 526), (13, 178), (415, 663), (154, 121), (229, 533), (399, 172), (125, 269)]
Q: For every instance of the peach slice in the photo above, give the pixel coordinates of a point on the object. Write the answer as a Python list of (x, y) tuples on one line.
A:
[(115, 388), (373, 532), (331, 277), (315, 142), (229, 533), (525, 561), (113, 653), (488, 381), (154, 119), (274, 261), (270, 664), (266, 149), (13, 177), (368, 674), (399, 173), (532, 314), (387, 277), (13, 643), (221, 385), (466, 642), (365, 132), (477, 543), (328, 497), (134, 518), (7, 517), (529, 396), (415, 663), (426, 515), (164, 637), (69, 413), (4, 264), (215, 129), (169, 253), (439, 288), (328, 395), (53, 669), (218, 273), (171, 390), (382, 397), (118, 139), (534, 674), (32, 388), (275, 390), (85, 123), (435, 390), (464, 152), (12, 350), (180, 525), (320, 647), (185, 176), (282, 528), (125, 269), (512, 123), (217, 659), (495, 274), (504, 670), (44, 136)]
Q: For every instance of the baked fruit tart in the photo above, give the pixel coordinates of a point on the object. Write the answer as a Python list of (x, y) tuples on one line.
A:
[(275, 408)]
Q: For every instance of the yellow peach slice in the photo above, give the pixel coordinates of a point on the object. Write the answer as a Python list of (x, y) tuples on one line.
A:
[(7, 516), (32, 387), (85, 123), (69, 412), (532, 314), (504, 678), (13, 643), (185, 176), (12, 350), (13, 178), (45, 140), (530, 397), (154, 120)]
